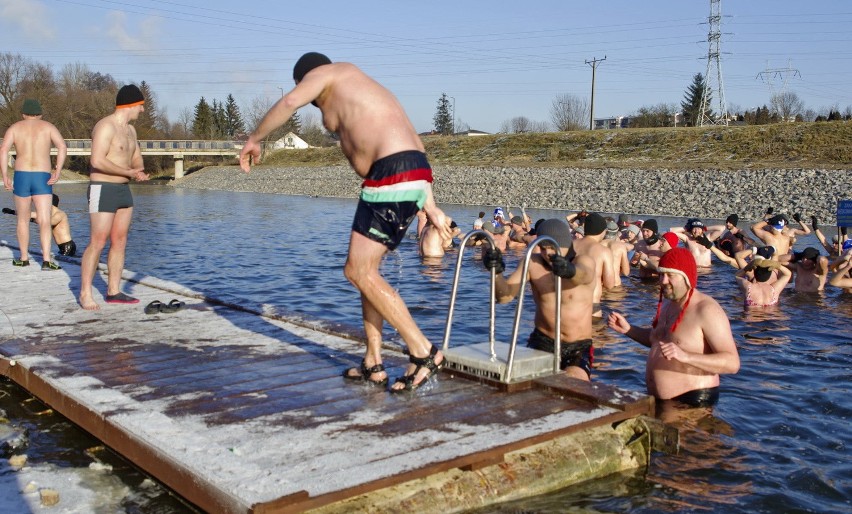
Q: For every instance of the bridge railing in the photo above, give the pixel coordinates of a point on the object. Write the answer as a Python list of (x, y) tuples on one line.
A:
[(177, 144)]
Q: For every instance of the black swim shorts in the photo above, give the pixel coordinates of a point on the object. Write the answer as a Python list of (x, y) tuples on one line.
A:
[(707, 397), (577, 353), (395, 189), (108, 197)]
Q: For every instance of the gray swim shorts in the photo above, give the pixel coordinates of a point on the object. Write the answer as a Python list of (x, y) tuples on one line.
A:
[(108, 197)]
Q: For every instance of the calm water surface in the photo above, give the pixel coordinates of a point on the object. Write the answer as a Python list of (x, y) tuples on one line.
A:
[(778, 441)]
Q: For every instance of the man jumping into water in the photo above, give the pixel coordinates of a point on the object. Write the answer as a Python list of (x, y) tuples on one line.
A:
[(382, 146)]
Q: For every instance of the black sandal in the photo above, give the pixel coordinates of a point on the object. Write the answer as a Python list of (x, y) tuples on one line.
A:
[(366, 373), (420, 363)]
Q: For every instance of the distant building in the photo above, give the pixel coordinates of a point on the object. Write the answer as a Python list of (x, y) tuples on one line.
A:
[(612, 123), (290, 141), (471, 132)]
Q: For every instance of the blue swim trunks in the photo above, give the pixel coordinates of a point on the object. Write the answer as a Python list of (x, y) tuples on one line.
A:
[(31, 183)]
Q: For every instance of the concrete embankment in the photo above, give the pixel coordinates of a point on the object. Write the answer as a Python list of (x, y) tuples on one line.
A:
[(709, 194)]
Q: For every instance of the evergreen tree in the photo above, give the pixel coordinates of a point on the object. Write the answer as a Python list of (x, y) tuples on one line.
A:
[(202, 124), (234, 121), (220, 121), (146, 125), (691, 104), (443, 120), (294, 125)]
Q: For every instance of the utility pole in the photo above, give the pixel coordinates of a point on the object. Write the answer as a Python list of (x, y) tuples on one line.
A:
[(454, 114), (594, 64)]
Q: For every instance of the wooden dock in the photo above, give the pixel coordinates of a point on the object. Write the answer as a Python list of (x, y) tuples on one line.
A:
[(241, 412)]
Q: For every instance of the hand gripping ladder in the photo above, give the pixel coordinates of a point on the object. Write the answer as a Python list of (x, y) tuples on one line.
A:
[(493, 361)]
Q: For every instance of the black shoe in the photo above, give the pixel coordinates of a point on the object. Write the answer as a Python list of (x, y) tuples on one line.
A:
[(50, 266), (19, 263)]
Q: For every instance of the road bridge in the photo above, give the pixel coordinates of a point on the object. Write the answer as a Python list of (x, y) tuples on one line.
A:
[(178, 149)]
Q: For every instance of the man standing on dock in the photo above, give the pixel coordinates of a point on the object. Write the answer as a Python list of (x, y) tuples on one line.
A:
[(32, 138), (690, 338), (382, 146), (116, 160)]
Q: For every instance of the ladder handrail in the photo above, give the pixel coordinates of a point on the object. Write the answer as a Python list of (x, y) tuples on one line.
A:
[(557, 340)]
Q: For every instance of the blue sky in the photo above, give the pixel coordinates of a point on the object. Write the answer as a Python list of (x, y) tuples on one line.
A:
[(498, 59)]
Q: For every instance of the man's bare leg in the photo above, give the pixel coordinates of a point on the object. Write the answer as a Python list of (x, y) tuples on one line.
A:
[(373, 329), (101, 223), (42, 208), (117, 247), (22, 209), (362, 269)]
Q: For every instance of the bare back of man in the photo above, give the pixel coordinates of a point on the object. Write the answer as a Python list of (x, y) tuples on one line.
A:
[(604, 273), (431, 243), (620, 262), (33, 138), (371, 125)]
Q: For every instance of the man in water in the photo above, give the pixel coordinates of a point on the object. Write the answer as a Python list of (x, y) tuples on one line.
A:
[(594, 228), (59, 225), (733, 239), (842, 277), (578, 287), (619, 251), (32, 138), (431, 244), (116, 160), (382, 146), (776, 232), (696, 237), (811, 270), (690, 338), (648, 250)]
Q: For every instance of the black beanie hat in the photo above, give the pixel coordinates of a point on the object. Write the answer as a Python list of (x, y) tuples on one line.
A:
[(733, 219), (595, 224), (308, 62), (651, 225), (558, 229), (129, 96)]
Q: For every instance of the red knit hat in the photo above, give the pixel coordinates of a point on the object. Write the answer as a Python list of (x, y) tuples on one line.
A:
[(672, 239), (680, 261)]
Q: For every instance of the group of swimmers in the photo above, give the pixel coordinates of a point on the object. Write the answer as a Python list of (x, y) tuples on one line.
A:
[(690, 339)]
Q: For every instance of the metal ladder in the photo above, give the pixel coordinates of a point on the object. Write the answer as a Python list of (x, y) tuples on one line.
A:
[(497, 361)]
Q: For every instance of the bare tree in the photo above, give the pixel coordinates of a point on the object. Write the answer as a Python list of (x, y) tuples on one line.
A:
[(185, 118), (522, 124), (569, 112), (517, 125), (660, 115), (787, 105), (14, 70), (313, 132)]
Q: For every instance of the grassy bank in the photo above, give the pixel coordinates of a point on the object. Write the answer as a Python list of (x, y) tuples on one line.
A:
[(793, 145)]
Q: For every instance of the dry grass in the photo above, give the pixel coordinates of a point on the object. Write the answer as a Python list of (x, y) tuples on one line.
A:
[(794, 145)]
